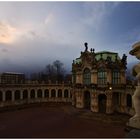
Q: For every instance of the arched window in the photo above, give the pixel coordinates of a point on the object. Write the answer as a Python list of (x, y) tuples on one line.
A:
[(86, 77), (53, 93), (102, 76), (17, 95), (59, 93), (46, 94), (66, 93), (25, 94), (39, 93), (32, 94), (116, 77), (129, 100), (8, 95)]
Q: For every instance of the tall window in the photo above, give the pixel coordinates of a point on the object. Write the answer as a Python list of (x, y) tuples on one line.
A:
[(86, 76), (102, 76), (115, 77)]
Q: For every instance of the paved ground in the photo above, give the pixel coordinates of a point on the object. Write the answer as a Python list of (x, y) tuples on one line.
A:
[(59, 121)]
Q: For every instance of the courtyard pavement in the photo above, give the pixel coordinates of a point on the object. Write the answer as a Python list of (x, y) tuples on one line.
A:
[(60, 121)]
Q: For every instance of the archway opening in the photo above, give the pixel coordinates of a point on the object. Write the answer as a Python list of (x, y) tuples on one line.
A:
[(32, 94), (8, 95), (87, 99), (25, 94), (39, 93), (66, 93), (59, 93), (53, 93), (102, 103), (17, 95), (46, 94), (116, 100), (0, 95)]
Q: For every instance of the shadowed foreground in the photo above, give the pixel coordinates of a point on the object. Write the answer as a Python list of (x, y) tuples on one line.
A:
[(58, 121)]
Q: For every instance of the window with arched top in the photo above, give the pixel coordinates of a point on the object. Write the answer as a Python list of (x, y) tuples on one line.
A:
[(86, 76), (115, 76), (102, 76)]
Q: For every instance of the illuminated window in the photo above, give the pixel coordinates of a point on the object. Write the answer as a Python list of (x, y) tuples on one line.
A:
[(102, 76), (87, 77)]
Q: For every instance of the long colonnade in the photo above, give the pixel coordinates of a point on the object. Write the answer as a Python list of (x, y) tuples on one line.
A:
[(21, 94)]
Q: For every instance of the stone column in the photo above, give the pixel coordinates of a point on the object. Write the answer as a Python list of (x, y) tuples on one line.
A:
[(21, 95), (69, 94), (29, 92), (62, 93), (79, 99), (109, 76), (56, 93), (35, 93), (49, 93), (3, 96), (43, 95), (109, 103), (94, 102), (13, 96)]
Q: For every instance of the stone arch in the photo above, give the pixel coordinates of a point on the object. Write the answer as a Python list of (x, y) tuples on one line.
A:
[(87, 99), (39, 93), (60, 93), (17, 95), (32, 94), (8, 95), (46, 93), (25, 94), (66, 93), (53, 93), (1, 95), (102, 103), (129, 100)]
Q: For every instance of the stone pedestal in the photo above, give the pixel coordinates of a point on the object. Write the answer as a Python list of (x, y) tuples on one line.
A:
[(134, 122)]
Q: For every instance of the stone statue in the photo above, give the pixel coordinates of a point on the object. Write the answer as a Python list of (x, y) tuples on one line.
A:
[(86, 46), (135, 120)]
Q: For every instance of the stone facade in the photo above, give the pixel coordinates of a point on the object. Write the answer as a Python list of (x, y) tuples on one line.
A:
[(99, 82)]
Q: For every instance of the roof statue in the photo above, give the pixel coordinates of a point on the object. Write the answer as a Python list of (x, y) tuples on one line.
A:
[(86, 46)]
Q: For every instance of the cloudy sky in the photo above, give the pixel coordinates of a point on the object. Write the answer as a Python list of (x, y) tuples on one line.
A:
[(34, 34)]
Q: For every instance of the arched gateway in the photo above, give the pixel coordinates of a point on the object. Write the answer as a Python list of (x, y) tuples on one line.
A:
[(87, 100), (102, 103)]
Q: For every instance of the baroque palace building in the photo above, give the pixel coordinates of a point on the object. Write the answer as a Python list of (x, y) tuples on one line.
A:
[(98, 84)]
